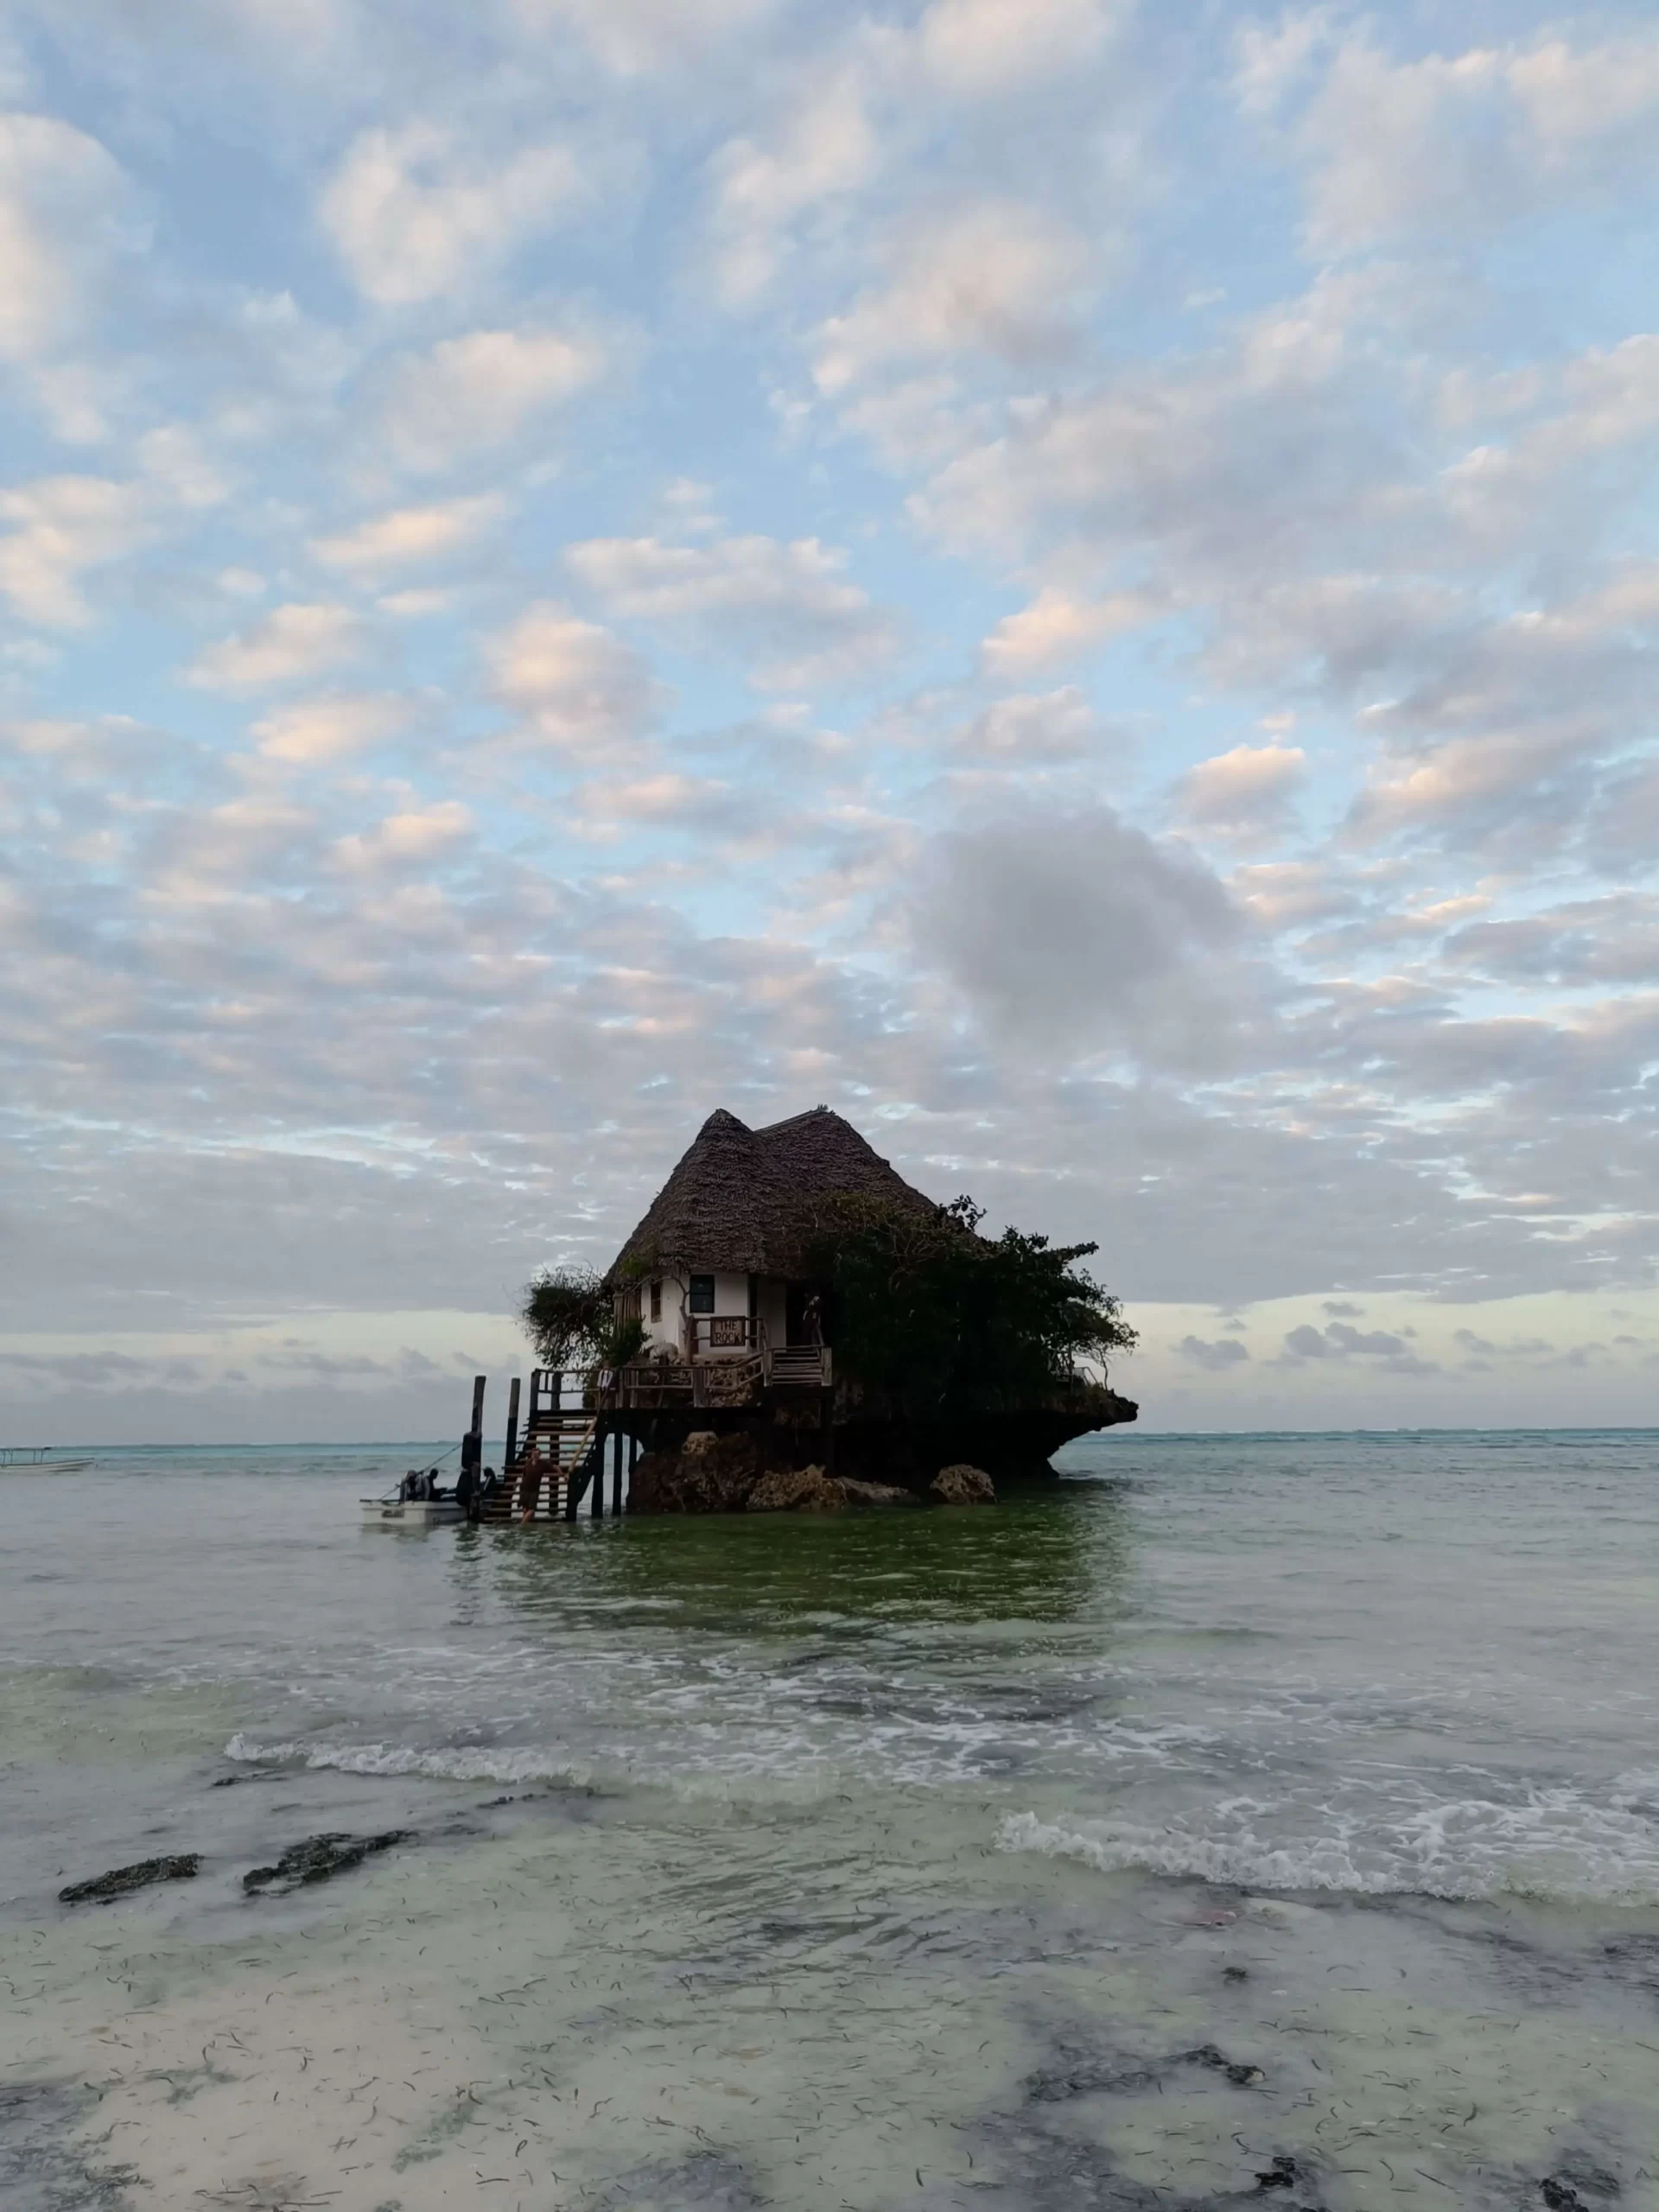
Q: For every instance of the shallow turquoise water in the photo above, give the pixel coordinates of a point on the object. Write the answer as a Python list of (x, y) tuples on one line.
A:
[(1379, 1705)]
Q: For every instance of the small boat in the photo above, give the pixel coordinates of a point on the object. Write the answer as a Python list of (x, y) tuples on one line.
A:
[(24, 1459), (397, 1512)]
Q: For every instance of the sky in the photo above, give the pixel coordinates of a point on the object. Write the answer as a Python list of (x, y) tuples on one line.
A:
[(1076, 580)]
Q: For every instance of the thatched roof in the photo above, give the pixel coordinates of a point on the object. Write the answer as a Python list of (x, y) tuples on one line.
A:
[(737, 1197)]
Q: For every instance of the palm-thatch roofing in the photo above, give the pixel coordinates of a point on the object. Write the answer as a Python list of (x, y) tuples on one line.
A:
[(739, 1196)]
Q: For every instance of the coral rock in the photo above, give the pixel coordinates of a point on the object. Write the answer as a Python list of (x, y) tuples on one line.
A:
[(962, 1485), (802, 1489)]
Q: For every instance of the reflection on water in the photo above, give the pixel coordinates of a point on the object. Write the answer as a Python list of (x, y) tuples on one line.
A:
[(1056, 1557)]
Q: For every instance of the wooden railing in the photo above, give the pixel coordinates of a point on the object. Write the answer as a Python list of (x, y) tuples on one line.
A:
[(715, 1336)]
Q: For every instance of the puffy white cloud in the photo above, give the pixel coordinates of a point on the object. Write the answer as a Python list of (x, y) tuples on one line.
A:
[(292, 641), (471, 393), (307, 732), (1058, 624), (790, 605), (581, 688), (410, 534), (1029, 728), (415, 214), (415, 837), (979, 47), (61, 526), (992, 277), (64, 205), (826, 147), (637, 37), (1241, 793), (1447, 141)]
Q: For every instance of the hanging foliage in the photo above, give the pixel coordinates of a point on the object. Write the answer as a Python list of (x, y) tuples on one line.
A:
[(926, 1310)]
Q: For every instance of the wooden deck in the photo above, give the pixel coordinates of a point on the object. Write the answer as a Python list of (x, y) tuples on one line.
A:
[(579, 1445)]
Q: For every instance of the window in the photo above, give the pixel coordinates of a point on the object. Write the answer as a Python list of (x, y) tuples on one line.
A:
[(655, 1301), (702, 1294)]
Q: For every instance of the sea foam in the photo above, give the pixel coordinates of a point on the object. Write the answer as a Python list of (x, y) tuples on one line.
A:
[(1558, 1845)]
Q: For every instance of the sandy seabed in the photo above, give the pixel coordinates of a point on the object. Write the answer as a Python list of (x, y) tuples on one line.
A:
[(623, 1999)]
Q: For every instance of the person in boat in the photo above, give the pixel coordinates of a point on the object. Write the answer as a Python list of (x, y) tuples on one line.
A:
[(490, 1491), (411, 1485), (464, 1488)]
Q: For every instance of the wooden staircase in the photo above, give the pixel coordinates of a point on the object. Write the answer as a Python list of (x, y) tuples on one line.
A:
[(802, 1367), (557, 1453)]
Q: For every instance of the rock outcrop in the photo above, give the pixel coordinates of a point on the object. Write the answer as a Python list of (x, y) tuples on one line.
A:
[(122, 1881), (870, 1493), (708, 1474), (962, 1485), (319, 1858), (802, 1489)]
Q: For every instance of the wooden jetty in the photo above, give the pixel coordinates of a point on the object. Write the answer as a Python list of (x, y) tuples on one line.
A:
[(584, 1432)]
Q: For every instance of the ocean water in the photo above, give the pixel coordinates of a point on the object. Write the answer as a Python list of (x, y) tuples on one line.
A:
[(1269, 1818)]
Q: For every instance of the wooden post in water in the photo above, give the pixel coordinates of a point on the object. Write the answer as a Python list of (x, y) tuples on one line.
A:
[(601, 1442), (512, 1451), (472, 1445), (616, 1478), (569, 1480)]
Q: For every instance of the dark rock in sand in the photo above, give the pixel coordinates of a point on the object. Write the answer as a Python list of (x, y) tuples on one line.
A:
[(122, 1881), (1092, 2079), (320, 1858), (1562, 2192), (962, 1485)]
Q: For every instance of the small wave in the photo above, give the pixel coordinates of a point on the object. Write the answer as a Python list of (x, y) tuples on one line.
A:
[(498, 1763), (1549, 1849)]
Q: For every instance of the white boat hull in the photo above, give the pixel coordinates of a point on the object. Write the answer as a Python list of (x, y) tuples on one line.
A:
[(409, 1512)]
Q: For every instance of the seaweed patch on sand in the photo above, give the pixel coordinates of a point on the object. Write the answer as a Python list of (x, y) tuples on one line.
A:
[(42, 2168)]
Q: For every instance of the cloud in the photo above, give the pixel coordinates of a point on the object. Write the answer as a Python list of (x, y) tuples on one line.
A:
[(1464, 140), (65, 206), (415, 837), (291, 642), (414, 215), (1340, 1340), (997, 277), (581, 690), (470, 394), (974, 48), (638, 37), (61, 526), (1058, 624), (1244, 793), (1076, 924), (309, 732), (410, 534), (825, 148), (1029, 728), (790, 606), (1215, 1357)]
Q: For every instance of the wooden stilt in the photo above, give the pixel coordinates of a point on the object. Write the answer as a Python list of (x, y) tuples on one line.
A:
[(616, 1476), (512, 1451)]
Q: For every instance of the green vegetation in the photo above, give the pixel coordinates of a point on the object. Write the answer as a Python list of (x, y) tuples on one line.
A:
[(929, 1313), (568, 1316)]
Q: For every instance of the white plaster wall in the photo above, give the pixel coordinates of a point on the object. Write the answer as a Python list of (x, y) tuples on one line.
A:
[(731, 1296)]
